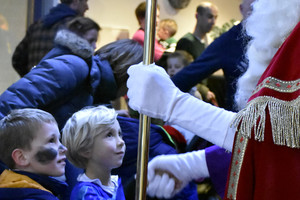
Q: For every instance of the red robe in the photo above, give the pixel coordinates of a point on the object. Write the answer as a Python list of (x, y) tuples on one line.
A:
[(266, 154)]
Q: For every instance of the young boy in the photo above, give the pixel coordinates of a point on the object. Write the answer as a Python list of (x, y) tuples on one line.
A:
[(94, 141), (166, 30), (31, 152)]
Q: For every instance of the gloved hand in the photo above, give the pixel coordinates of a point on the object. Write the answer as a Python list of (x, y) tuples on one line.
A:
[(151, 92), (168, 174)]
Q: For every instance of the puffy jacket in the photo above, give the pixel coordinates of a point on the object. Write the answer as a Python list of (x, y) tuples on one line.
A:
[(62, 83)]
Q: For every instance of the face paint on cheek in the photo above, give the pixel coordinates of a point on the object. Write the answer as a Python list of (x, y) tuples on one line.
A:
[(46, 155)]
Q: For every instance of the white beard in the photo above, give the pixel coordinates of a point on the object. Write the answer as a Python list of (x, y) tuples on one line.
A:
[(269, 25)]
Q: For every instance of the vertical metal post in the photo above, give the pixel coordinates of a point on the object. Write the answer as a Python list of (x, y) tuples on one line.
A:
[(144, 126)]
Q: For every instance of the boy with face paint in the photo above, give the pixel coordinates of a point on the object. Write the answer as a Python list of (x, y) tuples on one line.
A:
[(31, 153), (94, 141)]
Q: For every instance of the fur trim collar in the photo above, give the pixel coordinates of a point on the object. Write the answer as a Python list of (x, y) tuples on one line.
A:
[(75, 43)]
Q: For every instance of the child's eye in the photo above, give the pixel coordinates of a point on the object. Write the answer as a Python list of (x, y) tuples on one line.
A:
[(120, 134), (109, 134), (52, 140)]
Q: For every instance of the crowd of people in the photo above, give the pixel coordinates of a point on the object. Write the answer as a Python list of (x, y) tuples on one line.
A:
[(62, 138)]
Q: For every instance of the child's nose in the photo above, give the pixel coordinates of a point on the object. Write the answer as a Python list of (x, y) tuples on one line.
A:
[(62, 149)]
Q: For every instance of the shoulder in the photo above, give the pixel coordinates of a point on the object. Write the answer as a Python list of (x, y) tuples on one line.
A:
[(139, 36), (86, 190), (188, 36), (64, 65)]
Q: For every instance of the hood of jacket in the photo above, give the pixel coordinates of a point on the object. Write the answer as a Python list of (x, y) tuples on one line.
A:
[(58, 13), (76, 44), (107, 89)]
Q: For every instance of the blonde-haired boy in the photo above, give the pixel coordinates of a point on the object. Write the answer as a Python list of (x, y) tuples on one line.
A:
[(95, 143), (166, 30)]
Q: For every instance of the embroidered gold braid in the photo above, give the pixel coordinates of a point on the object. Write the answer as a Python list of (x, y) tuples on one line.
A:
[(284, 115), (284, 119), (279, 85), (236, 164)]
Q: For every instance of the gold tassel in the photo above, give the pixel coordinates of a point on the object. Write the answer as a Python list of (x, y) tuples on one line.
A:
[(284, 117)]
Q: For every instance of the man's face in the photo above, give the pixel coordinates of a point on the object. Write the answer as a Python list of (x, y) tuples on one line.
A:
[(82, 7), (246, 8), (207, 19)]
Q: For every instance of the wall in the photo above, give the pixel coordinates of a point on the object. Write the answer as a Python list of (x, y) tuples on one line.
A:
[(13, 22), (115, 15)]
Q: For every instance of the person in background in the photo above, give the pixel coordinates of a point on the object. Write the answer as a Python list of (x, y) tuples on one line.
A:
[(94, 141), (195, 43), (39, 38), (32, 155), (138, 36), (226, 53), (167, 28)]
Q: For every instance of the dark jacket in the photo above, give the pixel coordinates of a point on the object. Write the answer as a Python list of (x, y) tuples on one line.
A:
[(39, 37), (34, 186), (62, 83), (160, 143), (226, 53)]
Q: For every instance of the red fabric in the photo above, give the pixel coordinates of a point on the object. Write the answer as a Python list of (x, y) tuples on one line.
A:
[(175, 134), (269, 171), (272, 171)]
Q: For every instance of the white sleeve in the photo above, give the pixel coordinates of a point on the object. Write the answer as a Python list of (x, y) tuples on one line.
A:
[(203, 119), (151, 92)]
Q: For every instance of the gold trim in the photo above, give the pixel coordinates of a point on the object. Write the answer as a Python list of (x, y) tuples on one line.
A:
[(284, 117), (236, 165), (278, 85)]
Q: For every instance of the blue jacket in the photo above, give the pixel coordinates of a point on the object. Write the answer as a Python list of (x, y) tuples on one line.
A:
[(57, 14), (92, 191), (226, 53), (62, 83)]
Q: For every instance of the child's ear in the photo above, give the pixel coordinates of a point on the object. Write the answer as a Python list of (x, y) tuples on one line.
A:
[(20, 158)]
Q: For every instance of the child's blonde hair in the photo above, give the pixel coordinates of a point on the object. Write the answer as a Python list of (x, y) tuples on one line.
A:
[(82, 128), (170, 25)]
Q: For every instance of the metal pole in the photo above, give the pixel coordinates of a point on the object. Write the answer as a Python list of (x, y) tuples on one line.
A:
[(144, 126)]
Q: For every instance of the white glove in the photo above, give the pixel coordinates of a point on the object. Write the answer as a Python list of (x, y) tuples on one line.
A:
[(183, 167), (152, 92)]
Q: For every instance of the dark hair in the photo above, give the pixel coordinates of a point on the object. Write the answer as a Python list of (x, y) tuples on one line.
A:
[(140, 11), (80, 25), (18, 129), (68, 2), (121, 54)]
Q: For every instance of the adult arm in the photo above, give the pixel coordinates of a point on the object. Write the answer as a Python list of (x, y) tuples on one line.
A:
[(165, 101), (224, 52)]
